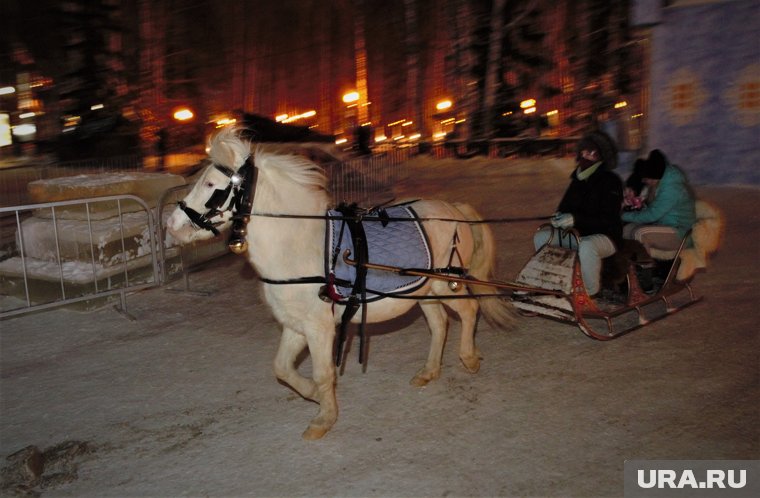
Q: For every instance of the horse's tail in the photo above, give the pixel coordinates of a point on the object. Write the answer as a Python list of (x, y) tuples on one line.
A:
[(498, 311)]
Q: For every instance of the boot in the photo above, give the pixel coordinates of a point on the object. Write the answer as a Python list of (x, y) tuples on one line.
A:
[(644, 274), (661, 272)]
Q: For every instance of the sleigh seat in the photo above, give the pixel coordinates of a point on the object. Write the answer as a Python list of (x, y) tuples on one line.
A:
[(705, 234)]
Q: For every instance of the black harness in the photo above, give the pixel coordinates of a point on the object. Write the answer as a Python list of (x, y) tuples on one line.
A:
[(358, 297), (242, 186)]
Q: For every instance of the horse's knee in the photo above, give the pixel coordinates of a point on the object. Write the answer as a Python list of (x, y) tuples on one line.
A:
[(438, 323), (282, 369), (286, 372)]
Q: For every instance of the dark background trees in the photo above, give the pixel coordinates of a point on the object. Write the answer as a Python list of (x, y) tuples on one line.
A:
[(141, 59)]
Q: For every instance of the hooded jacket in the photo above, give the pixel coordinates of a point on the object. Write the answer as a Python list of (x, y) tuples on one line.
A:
[(673, 204), (595, 204)]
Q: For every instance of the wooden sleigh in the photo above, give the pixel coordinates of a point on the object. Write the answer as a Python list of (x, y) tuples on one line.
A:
[(607, 315)]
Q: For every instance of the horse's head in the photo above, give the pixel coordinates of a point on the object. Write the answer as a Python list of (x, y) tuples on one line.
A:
[(219, 191)]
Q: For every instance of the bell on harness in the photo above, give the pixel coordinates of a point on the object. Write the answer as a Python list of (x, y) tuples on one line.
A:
[(238, 243), (244, 181)]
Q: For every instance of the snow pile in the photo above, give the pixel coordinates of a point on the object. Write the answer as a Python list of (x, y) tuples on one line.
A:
[(147, 186), (73, 240)]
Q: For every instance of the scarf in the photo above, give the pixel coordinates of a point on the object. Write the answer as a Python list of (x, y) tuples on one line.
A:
[(586, 173)]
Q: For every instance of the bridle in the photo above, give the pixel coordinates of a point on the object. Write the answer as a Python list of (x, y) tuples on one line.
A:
[(241, 185)]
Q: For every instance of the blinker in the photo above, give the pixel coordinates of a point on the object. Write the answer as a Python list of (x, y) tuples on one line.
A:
[(242, 183), (218, 197)]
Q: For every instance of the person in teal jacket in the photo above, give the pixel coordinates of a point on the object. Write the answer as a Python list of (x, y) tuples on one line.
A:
[(669, 210)]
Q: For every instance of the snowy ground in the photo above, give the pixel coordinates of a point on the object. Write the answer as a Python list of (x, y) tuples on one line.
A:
[(182, 401)]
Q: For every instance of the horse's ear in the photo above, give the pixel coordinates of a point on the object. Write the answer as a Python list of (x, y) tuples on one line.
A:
[(228, 149)]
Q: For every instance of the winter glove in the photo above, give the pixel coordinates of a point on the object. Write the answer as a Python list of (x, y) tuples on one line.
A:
[(563, 220)]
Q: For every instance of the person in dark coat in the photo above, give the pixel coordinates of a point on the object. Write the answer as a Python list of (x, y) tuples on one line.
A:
[(591, 205)]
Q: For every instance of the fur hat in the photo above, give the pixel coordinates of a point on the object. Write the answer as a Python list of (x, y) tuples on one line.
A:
[(654, 167), (603, 143)]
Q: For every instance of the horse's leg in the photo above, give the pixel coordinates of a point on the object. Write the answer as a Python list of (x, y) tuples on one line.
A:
[(291, 345), (467, 309), (437, 320), (320, 343)]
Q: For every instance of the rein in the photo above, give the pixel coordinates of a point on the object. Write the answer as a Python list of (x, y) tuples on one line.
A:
[(391, 218)]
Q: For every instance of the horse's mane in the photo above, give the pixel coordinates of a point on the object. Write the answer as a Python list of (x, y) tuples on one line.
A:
[(297, 169), (229, 149)]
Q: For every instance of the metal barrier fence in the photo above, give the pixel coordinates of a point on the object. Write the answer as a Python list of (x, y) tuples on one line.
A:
[(369, 180), (77, 251)]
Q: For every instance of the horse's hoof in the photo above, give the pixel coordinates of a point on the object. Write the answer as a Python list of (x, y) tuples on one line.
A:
[(313, 433), (423, 378), (471, 364), (418, 381)]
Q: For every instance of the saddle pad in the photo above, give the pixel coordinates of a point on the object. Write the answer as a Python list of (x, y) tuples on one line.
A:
[(401, 244)]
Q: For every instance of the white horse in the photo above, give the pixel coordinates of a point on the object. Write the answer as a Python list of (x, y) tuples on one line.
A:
[(293, 247)]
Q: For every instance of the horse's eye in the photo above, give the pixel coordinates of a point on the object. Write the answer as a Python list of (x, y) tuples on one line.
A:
[(209, 184)]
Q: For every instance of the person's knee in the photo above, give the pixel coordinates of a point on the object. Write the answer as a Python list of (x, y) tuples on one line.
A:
[(540, 238), (629, 231), (586, 249)]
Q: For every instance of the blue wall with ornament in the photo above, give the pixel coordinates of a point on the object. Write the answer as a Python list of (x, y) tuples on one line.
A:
[(705, 90)]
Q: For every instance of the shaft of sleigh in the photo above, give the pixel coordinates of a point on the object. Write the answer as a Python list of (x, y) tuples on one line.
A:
[(465, 279)]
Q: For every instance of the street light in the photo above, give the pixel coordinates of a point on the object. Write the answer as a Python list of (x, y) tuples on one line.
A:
[(183, 114), (443, 105), (528, 106), (351, 97)]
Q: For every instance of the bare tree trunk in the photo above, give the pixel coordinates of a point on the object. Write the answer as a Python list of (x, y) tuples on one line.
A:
[(326, 98), (152, 83), (494, 66), (461, 21), (360, 52), (413, 96)]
